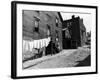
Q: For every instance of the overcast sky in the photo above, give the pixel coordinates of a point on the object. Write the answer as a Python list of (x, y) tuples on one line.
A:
[(86, 18)]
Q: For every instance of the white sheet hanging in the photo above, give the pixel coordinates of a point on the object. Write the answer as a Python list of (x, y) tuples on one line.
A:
[(29, 45), (26, 46)]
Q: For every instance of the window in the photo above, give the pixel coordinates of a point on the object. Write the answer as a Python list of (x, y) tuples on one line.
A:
[(67, 24), (36, 23), (70, 23), (57, 22), (48, 30), (57, 36), (67, 34), (36, 26)]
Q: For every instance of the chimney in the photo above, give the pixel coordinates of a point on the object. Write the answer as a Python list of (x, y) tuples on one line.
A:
[(73, 16), (82, 20)]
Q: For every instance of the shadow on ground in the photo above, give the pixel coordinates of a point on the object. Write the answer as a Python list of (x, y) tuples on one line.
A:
[(85, 62)]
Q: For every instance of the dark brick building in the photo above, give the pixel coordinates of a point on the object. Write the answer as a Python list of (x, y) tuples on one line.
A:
[(74, 33)]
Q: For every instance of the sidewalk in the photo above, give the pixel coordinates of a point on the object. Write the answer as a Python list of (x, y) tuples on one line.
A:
[(34, 62)]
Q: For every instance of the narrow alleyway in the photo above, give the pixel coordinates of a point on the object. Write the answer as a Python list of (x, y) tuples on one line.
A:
[(66, 58)]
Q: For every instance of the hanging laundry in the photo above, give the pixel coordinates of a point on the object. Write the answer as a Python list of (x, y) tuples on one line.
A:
[(31, 45), (47, 40), (26, 46), (42, 43), (38, 44)]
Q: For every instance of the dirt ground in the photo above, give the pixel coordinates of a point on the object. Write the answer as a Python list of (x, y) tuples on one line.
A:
[(66, 58)]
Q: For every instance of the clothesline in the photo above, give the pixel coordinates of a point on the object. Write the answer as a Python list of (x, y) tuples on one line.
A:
[(38, 44)]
